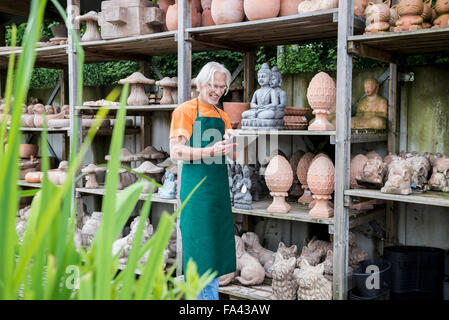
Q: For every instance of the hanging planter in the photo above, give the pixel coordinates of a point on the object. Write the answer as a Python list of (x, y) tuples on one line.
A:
[(261, 9)]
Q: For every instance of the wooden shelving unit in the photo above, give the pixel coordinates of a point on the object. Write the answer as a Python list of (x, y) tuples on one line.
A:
[(340, 24)]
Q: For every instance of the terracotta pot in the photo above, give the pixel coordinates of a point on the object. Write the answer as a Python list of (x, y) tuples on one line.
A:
[(321, 95), (261, 9), (33, 177), (206, 18), (410, 8), (164, 4), (234, 110), (321, 179), (394, 16), (27, 150), (206, 4), (357, 164), (279, 179), (227, 11), (301, 172), (171, 19), (359, 7), (289, 7)]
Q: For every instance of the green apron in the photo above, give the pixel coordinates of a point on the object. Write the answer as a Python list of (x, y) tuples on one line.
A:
[(207, 227)]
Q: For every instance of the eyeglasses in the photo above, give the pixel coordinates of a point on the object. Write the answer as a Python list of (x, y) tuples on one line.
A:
[(214, 87)]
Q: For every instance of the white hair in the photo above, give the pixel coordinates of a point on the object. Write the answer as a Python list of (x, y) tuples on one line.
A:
[(207, 74)]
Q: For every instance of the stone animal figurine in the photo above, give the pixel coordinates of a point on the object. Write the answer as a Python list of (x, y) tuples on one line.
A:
[(410, 12), (421, 168), (372, 111), (372, 174), (377, 17), (312, 285), (24, 213), (399, 178), (249, 271), (314, 252), (287, 252), (90, 228), (442, 10), (253, 247), (284, 284), (440, 175), (125, 243)]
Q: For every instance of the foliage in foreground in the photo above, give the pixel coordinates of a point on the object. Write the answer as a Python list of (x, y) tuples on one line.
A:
[(46, 264)]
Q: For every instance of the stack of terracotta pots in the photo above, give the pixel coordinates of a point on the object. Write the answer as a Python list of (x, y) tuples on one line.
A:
[(294, 118)]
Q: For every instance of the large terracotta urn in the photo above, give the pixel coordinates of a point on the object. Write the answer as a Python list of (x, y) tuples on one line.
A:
[(441, 14), (163, 5), (357, 164), (234, 110), (206, 18), (321, 179), (279, 179), (27, 150), (321, 95), (289, 7), (301, 172), (227, 11), (171, 19), (261, 9), (359, 7)]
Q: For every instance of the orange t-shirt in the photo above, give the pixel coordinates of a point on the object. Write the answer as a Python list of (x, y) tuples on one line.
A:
[(185, 114)]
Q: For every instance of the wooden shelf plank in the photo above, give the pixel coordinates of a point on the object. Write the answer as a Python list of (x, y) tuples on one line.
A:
[(298, 212), (406, 42), (433, 198), (130, 110), (313, 26), (39, 130), (259, 292), (24, 183), (285, 132), (143, 196)]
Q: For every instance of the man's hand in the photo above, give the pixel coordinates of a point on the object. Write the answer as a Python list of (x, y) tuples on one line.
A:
[(229, 133), (222, 148)]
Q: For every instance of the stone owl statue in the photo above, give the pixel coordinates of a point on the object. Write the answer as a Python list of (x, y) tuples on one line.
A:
[(284, 284), (312, 285)]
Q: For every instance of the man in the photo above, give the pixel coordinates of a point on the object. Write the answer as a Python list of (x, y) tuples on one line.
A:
[(198, 136)]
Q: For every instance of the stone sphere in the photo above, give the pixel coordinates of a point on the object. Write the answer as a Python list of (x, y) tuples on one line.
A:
[(321, 176), (279, 175), (322, 92), (303, 167)]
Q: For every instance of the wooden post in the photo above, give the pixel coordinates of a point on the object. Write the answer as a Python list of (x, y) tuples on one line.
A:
[(73, 10), (145, 121), (249, 75), (184, 78), (391, 206), (342, 150)]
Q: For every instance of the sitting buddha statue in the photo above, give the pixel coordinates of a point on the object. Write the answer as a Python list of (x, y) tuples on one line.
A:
[(372, 111), (281, 95), (263, 102)]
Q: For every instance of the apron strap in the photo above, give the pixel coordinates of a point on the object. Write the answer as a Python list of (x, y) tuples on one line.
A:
[(198, 110)]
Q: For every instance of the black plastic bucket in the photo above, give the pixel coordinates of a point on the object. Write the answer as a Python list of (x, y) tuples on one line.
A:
[(355, 295), (446, 289), (416, 270), (365, 279), (446, 263)]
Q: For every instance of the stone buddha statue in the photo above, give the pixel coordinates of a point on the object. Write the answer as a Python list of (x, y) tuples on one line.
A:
[(281, 95), (372, 111), (168, 189), (243, 198), (265, 102)]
